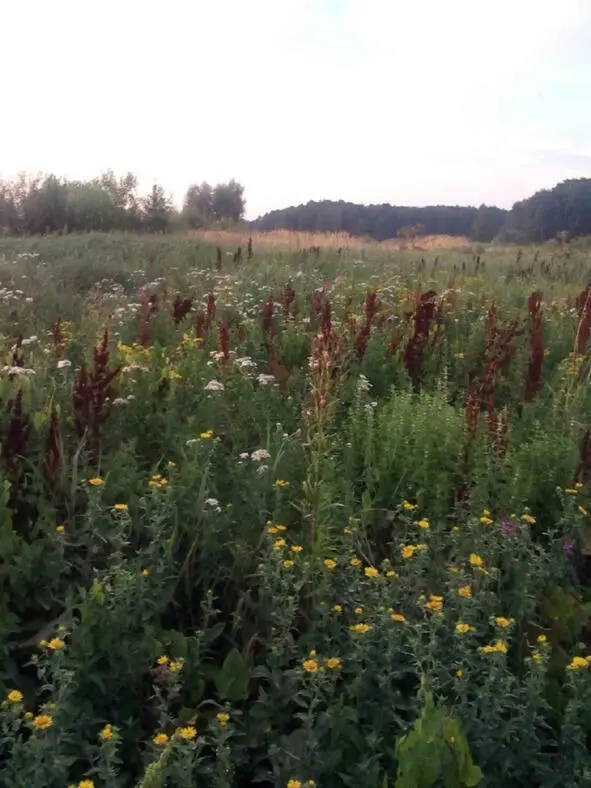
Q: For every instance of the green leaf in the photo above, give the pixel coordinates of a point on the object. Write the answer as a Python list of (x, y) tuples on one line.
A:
[(232, 680)]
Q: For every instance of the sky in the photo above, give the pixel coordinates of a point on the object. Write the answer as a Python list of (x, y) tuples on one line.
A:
[(411, 102)]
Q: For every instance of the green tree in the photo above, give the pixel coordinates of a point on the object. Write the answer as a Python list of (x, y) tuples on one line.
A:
[(228, 201), (156, 210)]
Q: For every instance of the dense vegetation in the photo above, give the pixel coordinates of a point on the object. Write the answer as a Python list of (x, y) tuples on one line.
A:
[(564, 209), (35, 205), (305, 519)]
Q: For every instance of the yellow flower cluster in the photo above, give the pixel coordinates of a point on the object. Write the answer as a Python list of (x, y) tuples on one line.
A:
[(360, 629), (434, 603), (14, 696), (408, 550), (498, 647), (157, 481), (577, 663)]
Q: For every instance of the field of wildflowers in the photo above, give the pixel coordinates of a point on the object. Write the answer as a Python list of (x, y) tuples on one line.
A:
[(306, 518)]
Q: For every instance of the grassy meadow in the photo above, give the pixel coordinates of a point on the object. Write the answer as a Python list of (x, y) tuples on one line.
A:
[(294, 517)]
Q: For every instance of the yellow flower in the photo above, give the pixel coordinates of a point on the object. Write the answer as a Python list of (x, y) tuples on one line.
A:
[(536, 656), (42, 722), (296, 548), (281, 483), (294, 784), (56, 644), (459, 673), (14, 696), (503, 622), (337, 608), (398, 617), (391, 573), (465, 592), (60, 529), (176, 666), (187, 733), (121, 507), (279, 543), (329, 563), (461, 629), (160, 739), (435, 603), (424, 523), (570, 491), (272, 530), (206, 435), (476, 560), (145, 572), (281, 527), (420, 548), (362, 629), (29, 715), (485, 513), (310, 665), (578, 485), (223, 718), (408, 507), (86, 784), (408, 550), (582, 510), (577, 663), (333, 663), (96, 481), (358, 611), (107, 733), (371, 571), (541, 639), (485, 520), (163, 660), (171, 464), (288, 564), (527, 518), (355, 561), (498, 647), (460, 356)]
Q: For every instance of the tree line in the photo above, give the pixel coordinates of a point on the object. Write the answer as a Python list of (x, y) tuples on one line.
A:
[(31, 205), (564, 209)]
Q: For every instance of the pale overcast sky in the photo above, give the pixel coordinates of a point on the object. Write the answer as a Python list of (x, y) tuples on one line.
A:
[(404, 101)]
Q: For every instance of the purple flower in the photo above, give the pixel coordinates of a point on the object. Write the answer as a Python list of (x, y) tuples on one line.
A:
[(568, 546), (508, 528)]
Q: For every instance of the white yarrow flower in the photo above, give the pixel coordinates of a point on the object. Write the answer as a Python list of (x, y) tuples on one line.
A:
[(64, 363), (215, 385), (260, 454)]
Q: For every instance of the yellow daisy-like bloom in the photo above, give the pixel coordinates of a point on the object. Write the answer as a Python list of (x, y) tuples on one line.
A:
[(541, 639), (460, 356), (570, 491), (145, 572), (280, 483), (280, 543), (463, 628), (294, 784), (42, 722), (503, 622), (391, 573), (333, 663), (206, 435), (527, 518), (486, 520), (188, 733), (408, 507), (60, 529), (424, 523), (163, 660), (310, 665), (355, 561), (498, 647), (536, 657), (281, 527), (296, 548), (337, 608), (358, 611), (288, 564), (582, 510), (121, 507), (435, 603), (160, 739), (371, 571), (465, 592), (86, 784), (401, 619), (14, 696), (56, 644), (459, 673), (176, 666), (361, 629), (272, 530), (329, 563), (485, 513), (107, 733), (408, 550), (578, 485), (577, 663), (96, 481), (476, 560), (223, 718)]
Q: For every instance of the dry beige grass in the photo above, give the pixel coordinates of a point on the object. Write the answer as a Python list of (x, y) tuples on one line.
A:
[(287, 239)]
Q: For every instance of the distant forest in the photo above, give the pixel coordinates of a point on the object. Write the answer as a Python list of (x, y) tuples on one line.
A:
[(564, 209)]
